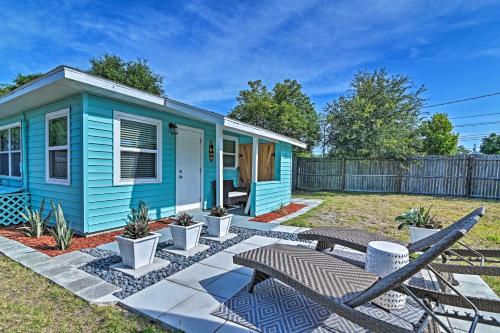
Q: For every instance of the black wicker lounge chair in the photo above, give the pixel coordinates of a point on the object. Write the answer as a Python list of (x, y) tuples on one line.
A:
[(358, 240), (346, 289)]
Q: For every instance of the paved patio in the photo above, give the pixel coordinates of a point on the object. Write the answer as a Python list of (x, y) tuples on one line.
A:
[(184, 297)]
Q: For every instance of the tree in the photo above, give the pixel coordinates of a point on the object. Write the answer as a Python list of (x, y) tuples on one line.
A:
[(285, 110), (136, 74), (438, 138), (18, 81), (490, 144), (324, 130), (462, 150), (378, 117)]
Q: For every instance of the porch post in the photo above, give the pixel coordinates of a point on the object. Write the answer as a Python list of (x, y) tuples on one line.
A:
[(219, 165), (255, 159), (255, 171)]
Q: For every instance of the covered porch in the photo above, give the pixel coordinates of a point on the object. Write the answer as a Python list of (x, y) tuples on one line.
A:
[(252, 161)]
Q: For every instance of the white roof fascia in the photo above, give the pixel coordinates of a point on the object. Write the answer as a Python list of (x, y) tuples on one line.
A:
[(50, 77), (198, 113), (260, 132), (98, 82)]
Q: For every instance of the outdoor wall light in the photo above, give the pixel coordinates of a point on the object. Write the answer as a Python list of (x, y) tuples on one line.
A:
[(173, 129)]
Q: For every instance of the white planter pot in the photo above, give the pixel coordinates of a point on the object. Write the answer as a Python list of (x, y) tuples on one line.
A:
[(218, 226), (138, 252), (417, 234), (186, 238)]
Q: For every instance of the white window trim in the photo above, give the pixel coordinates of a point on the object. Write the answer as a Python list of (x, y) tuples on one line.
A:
[(9, 152), (236, 151), (117, 149), (48, 117)]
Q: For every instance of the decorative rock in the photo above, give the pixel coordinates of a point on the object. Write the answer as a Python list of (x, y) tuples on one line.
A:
[(101, 267)]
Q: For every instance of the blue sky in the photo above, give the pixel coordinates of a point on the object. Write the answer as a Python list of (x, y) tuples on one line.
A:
[(208, 50)]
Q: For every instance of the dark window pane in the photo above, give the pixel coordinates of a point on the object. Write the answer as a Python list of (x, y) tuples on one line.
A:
[(137, 165), (15, 161), (58, 164), (58, 132), (229, 146), (4, 140), (4, 164), (229, 161), (15, 138), (135, 134)]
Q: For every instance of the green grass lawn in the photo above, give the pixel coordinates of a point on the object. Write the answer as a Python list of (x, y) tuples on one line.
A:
[(376, 212), (31, 303)]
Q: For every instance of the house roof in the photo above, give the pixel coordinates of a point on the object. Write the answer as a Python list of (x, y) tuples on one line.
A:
[(65, 81)]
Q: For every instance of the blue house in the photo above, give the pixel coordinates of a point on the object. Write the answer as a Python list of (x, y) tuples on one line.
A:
[(99, 147)]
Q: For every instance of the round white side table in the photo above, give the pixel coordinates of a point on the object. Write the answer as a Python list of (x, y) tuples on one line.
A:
[(383, 258)]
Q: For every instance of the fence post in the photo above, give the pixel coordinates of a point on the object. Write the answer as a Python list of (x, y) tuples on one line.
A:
[(399, 178), (468, 175), (344, 170)]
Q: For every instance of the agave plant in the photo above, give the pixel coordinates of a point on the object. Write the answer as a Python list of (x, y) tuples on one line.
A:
[(184, 220), (61, 232), (418, 217), (34, 223), (138, 222), (218, 211)]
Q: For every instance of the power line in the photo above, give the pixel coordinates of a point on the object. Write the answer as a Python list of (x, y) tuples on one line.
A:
[(479, 124), (460, 100), (476, 135), (477, 115)]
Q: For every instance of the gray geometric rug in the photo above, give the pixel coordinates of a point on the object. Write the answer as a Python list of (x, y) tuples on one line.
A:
[(274, 307)]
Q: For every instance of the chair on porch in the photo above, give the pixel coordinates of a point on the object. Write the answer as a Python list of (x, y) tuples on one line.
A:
[(231, 195)]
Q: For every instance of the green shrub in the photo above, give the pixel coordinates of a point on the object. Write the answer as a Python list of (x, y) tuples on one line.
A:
[(138, 222), (184, 220), (218, 211), (61, 232), (420, 218), (34, 223)]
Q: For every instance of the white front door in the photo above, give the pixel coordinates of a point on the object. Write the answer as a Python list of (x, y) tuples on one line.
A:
[(189, 168)]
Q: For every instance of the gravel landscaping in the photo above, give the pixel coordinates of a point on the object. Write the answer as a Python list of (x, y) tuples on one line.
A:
[(130, 286)]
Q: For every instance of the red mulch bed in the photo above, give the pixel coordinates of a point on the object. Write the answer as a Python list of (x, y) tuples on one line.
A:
[(269, 217), (47, 245)]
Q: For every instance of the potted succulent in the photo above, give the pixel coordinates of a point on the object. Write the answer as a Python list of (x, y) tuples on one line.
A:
[(420, 223), (185, 231), (138, 244), (218, 221)]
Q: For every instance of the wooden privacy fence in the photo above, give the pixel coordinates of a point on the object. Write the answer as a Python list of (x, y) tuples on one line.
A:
[(463, 175)]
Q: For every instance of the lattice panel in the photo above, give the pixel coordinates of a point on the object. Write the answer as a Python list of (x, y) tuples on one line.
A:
[(11, 205)]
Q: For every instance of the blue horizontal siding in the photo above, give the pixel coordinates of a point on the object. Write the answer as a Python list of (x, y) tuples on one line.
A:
[(109, 205), (70, 196), (269, 196)]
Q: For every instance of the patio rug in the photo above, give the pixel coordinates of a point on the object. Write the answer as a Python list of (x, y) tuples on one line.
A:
[(277, 308)]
